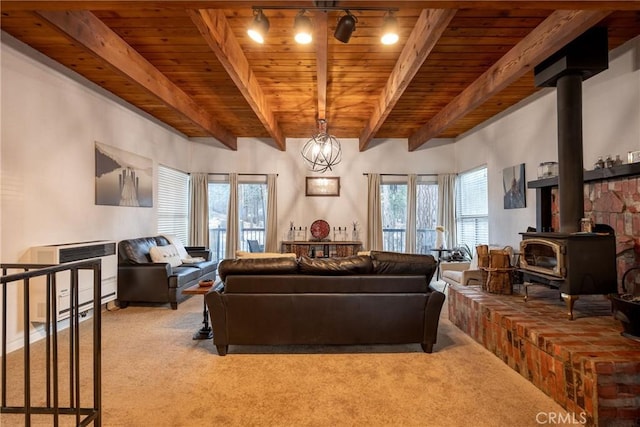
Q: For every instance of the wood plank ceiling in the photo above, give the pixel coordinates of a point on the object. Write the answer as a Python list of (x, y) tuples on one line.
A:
[(191, 65)]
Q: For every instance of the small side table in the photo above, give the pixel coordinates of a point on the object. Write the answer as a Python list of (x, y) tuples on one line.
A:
[(204, 333), (440, 252)]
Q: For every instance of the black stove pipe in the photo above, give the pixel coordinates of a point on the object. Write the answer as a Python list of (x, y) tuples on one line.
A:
[(579, 60), (570, 158)]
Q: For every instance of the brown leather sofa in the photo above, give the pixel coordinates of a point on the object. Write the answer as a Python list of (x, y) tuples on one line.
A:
[(383, 298), (140, 280)]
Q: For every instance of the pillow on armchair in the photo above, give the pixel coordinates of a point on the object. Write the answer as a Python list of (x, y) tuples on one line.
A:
[(185, 258), (182, 252), (167, 253)]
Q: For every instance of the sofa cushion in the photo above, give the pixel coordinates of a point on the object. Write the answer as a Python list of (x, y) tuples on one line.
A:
[(257, 266), (452, 275), (335, 266), (186, 274), (167, 253), (317, 284), (245, 254), (401, 263), (204, 266), (136, 251)]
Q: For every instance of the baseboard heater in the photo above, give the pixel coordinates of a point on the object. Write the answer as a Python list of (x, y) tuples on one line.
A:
[(104, 250)]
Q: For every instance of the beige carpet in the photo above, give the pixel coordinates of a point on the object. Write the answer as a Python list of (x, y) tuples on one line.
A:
[(154, 374)]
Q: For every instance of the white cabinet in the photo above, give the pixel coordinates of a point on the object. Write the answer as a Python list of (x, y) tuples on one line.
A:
[(57, 254)]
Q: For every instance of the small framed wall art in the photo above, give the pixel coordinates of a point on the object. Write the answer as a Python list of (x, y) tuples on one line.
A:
[(513, 185), (122, 178), (322, 186)]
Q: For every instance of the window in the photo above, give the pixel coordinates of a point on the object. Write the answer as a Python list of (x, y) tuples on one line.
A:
[(426, 216), (173, 203), (252, 211), (393, 199), (472, 208), (218, 208)]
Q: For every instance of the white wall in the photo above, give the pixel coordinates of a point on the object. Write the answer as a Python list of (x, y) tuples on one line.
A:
[(527, 133), (49, 125)]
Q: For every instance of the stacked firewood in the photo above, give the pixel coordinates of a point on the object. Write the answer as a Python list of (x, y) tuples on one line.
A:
[(497, 271)]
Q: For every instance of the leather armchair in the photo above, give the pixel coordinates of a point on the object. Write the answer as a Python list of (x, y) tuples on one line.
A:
[(460, 273)]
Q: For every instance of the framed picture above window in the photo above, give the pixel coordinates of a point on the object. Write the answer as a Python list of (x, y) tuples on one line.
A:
[(322, 186)]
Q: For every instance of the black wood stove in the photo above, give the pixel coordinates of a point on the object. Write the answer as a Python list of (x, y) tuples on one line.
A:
[(574, 263)]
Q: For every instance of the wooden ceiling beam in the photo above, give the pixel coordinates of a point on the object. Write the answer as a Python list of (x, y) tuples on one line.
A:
[(86, 29), (217, 32), (426, 33), (551, 35), (322, 46)]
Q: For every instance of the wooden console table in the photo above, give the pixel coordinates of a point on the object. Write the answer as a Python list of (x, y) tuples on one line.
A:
[(321, 249)]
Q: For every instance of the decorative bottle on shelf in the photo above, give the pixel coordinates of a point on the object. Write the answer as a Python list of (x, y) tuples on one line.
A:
[(355, 235), (599, 164), (291, 234), (609, 162)]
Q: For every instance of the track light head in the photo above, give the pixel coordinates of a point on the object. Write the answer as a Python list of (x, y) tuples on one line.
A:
[(303, 28), (259, 26), (389, 29), (346, 26)]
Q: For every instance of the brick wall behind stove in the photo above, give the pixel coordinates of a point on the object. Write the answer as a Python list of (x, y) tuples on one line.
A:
[(617, 204)]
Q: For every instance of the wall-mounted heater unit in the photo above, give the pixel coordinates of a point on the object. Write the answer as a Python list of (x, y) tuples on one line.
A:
[(68, 252)]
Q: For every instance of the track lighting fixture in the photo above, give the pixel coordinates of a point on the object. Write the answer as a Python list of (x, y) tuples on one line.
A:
[(346, 26), (259, 26), (303, 28), (389, 29)]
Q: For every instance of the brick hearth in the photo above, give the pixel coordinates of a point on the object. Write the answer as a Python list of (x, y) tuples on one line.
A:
[(585, 365)]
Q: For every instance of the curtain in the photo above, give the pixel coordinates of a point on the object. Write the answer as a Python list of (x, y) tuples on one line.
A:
[(271, 239), (199, 210), (232, 218), (410, 240), (447, 207), (374, 214)]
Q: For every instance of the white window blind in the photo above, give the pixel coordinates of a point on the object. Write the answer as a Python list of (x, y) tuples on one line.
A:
[(472, 215), (173, 203)]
